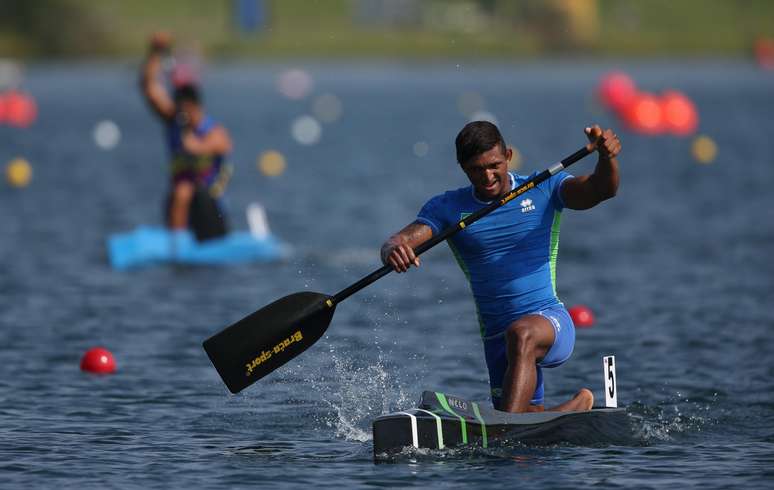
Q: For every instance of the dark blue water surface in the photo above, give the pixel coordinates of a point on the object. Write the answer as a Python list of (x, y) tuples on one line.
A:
[(677, 268)]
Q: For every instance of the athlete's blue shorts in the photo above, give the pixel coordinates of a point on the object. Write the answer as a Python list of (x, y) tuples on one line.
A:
[(560, 351)]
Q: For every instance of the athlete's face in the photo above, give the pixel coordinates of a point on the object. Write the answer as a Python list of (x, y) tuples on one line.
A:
[(488, 172), (188, 113)]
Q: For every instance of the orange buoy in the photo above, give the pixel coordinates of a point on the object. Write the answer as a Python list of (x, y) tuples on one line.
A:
[(98, 360), (616, 90), (581, 316), (679, 113)]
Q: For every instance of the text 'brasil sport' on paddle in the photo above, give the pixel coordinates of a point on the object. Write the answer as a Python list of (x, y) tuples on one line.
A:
[(258, 344)]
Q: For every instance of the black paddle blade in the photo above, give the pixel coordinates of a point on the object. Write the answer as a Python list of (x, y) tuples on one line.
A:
[(260, 343)]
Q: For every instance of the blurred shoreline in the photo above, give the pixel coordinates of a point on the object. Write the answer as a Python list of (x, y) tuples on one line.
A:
[(388, 29)]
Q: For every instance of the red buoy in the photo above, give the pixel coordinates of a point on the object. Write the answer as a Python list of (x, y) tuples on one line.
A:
[(644, 114), (679, 112), (764, 53), (98, 360), (2, 108), (616, 90), (581, 316), (20, 109)]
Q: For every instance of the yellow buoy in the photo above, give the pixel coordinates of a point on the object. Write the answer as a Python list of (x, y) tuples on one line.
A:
[(18, 172), (271, 163), (704, 149)]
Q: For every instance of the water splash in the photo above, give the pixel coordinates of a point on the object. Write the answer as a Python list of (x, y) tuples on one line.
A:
[(360, 393), (673, 417)]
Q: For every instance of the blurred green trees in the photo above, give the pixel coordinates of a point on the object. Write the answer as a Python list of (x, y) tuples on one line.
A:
[(390, 28)]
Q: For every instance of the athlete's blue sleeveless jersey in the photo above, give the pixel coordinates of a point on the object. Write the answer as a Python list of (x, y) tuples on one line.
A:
[(175, 133), (509, 255)]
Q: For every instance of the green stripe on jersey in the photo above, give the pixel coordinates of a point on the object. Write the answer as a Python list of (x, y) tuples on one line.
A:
[(554, 250), (466, 271)]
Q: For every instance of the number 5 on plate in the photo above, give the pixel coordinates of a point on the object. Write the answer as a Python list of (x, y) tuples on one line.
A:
[(611, 393)]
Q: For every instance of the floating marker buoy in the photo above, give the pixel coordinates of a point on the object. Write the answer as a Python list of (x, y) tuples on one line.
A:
[(2, 108), (616, 90), (306, 130), (184, 74), (106, 134), (421, 148), (18, 173), (679, 112), (98, 360), (704, 149), (20, 109), (644, 114), (271, 163), (581, 316), (295, 84), (764, 53)]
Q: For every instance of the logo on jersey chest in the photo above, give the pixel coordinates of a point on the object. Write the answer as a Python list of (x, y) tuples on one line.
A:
[(527, 206)]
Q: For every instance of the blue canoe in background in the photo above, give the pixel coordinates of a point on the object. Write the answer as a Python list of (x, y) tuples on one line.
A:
[(149, 245)]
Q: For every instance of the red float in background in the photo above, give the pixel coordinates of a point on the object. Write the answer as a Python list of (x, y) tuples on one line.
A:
[(679, 113), (581, 316), (98, 360), (616, 90), (184, 74), (644, 114), (20, 109), (764, 53), (2, 108)]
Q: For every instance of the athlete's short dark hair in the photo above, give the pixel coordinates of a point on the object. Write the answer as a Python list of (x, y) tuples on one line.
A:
[(475, 138), (187, 93)]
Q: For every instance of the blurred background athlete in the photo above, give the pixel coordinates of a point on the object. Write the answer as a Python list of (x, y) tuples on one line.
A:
[(197, 144)]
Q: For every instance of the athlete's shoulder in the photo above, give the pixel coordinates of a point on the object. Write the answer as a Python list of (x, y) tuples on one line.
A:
[(519, 179), (207, 124), (442, 209)]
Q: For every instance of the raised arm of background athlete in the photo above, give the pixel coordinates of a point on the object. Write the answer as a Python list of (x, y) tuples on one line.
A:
[(150, 77), (587, 191), (215, 142)]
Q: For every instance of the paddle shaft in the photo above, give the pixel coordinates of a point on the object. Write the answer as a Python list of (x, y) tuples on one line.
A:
[(451, 230)]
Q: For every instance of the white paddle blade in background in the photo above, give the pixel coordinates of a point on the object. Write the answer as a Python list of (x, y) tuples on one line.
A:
[(256, 220)]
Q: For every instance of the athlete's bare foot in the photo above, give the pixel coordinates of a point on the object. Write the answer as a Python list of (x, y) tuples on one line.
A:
[(583, 400)]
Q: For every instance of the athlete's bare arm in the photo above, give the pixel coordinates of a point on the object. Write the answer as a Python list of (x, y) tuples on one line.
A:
[(587, 191), (398, 250), (152, 87), (216, 142)]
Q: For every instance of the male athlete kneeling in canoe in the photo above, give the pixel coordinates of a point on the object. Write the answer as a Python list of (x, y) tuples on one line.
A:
[(509, 256)]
